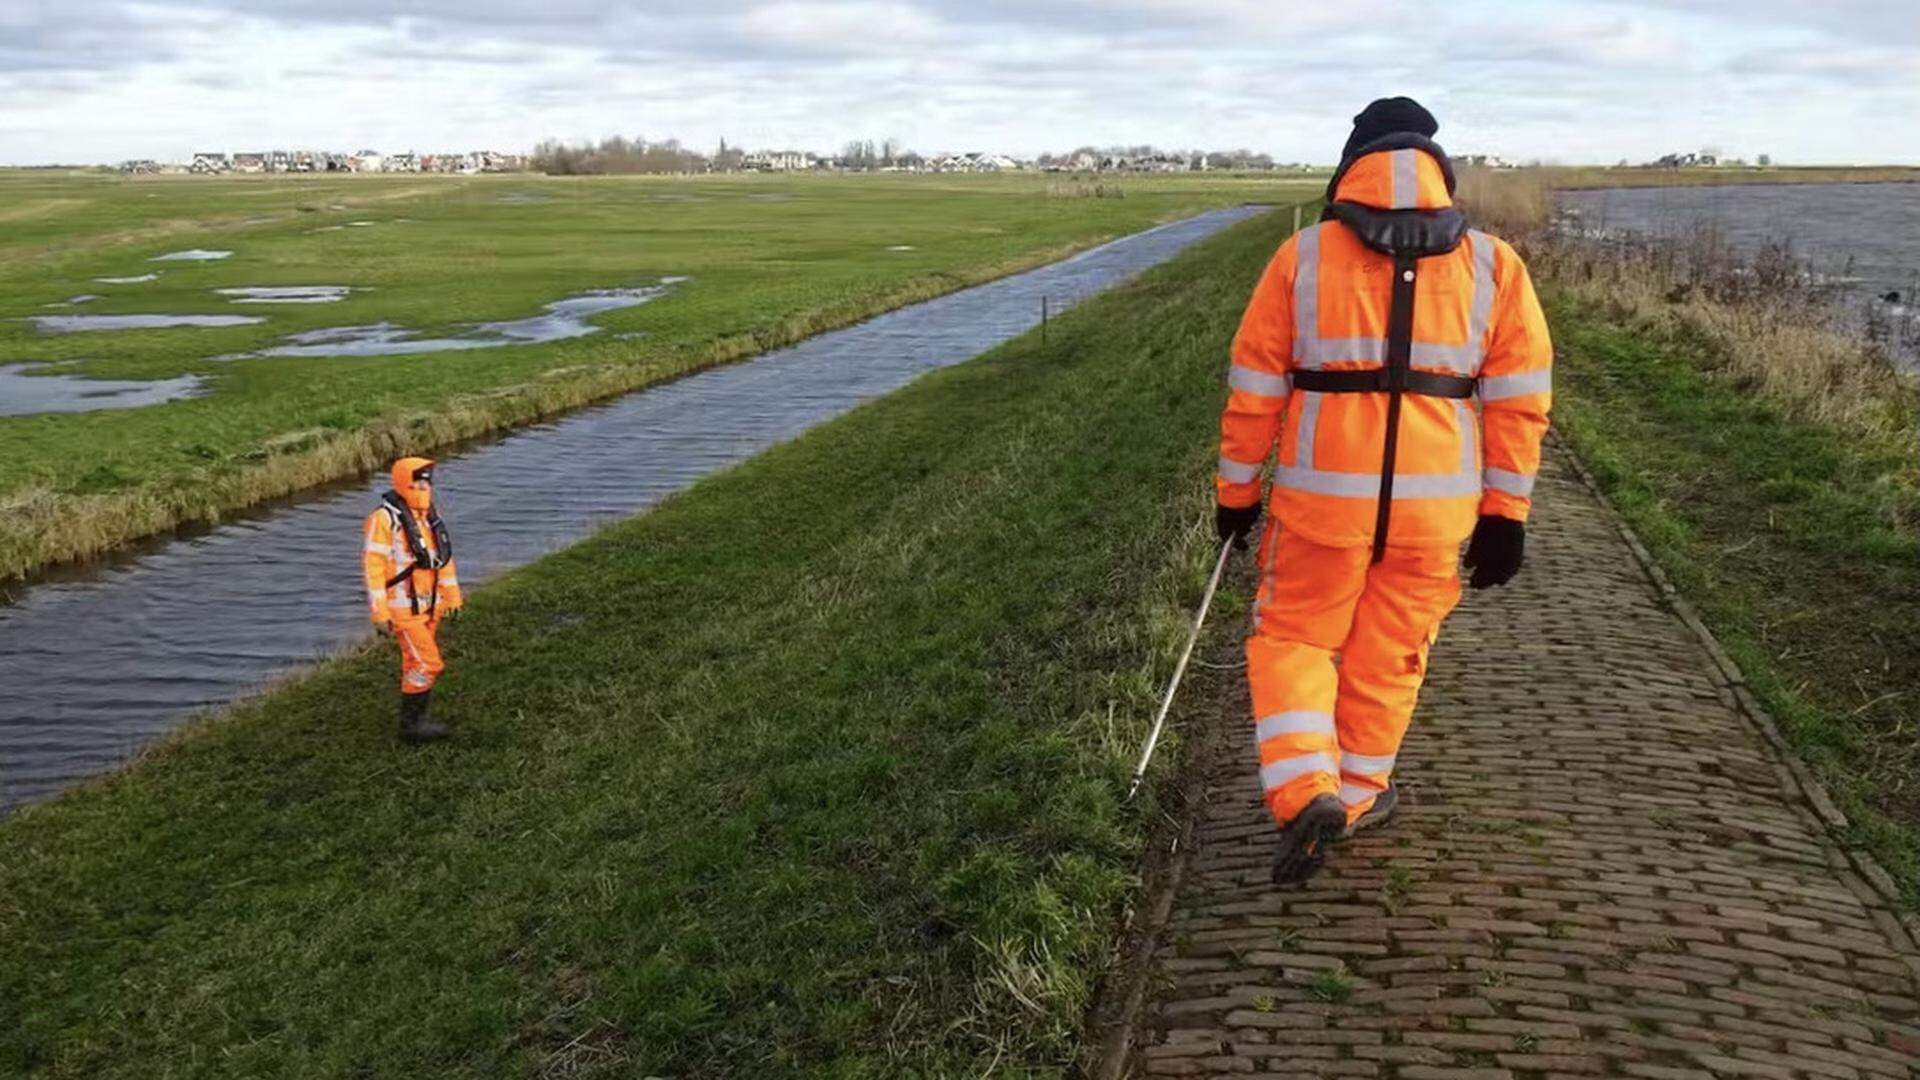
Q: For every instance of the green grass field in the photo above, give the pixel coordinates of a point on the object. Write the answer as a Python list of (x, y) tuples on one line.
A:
[(816, 769), (771, 260)]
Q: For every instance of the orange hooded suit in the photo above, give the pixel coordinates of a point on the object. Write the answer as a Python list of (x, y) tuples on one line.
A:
[(409, 589), (1387, 447)]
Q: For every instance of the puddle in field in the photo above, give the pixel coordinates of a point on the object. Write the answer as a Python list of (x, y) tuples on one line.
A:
[(83, 298), (134, 280), (69, 324), (901, 247), (287, 294), (191, 255), (359, 224), (563, 319), (24, 394)]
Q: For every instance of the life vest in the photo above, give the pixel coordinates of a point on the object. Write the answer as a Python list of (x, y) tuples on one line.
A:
[(1406, 233), (424, 557)]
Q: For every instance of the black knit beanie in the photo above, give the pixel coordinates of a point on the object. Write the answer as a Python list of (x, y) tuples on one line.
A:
[(1385, 116)]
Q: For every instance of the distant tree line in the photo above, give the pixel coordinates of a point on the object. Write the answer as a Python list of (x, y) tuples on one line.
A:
[(618, 155)]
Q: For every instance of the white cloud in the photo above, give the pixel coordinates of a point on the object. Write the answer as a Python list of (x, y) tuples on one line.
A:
[(1596, 80)]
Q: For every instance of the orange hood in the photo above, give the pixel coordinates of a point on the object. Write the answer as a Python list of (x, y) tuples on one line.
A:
[(402, 477), (1405, 178)]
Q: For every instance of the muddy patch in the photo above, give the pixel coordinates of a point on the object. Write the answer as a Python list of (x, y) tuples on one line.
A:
[(73, 324), (563, 319), (134, 280), (191, 255), (26, 390), (286, 294)]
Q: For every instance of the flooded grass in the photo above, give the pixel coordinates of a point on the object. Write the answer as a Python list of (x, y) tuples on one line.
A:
[(287, 294), (27, 390), (767, 272), (195, 254), (74, 324)]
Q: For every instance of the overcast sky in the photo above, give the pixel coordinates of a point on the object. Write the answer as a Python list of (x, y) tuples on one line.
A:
[(1574, 81)]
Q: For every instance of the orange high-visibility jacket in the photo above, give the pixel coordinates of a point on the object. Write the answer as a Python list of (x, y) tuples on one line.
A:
[(1322, 305), (386, 555)]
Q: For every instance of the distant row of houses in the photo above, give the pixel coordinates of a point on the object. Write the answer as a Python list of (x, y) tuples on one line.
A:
[(314, 161), (977, 161)]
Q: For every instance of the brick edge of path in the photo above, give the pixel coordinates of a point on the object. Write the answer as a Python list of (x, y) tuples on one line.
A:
[(1724, 932)]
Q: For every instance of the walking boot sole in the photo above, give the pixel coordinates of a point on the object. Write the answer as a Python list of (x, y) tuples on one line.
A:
[(1305, 840)]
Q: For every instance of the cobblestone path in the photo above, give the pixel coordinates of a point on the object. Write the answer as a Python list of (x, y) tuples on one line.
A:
[(1599, 867)]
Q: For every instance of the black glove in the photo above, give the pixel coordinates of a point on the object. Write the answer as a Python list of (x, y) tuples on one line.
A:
[(1235, 523), (1495, 552)]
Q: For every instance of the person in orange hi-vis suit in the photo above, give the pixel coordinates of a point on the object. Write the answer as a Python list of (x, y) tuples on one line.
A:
[(412, 584), (1395, 363)]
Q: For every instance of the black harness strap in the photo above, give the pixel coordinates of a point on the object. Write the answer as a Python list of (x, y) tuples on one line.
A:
[(1377, 381), (424, 557), (1399, 356)]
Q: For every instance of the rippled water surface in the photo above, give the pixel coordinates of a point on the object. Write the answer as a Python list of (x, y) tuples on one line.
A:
[(94, 664), (1866, 231)]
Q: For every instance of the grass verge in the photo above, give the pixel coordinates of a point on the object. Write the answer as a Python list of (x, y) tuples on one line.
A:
[(1792, 533), (815, 769)]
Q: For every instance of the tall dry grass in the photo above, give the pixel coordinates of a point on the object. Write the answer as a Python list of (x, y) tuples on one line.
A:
[(1769, 322)]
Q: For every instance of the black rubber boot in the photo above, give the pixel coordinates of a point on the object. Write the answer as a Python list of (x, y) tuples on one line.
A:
[(414, 725), (1305, 840), (1379, 812)]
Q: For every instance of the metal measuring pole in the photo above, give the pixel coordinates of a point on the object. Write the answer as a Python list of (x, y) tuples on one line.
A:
[(1166, 702)]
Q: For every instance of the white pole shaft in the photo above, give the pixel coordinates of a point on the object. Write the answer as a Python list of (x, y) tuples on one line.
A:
[(1180, 669)]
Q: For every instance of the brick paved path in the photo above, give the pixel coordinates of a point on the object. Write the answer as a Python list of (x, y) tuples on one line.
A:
[(1599, 866)]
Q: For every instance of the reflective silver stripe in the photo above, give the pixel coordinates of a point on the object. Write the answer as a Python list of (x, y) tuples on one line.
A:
[(1298, 722), (1354, 794), (1406, 180), (1367, 485), (1258, 382), (1512, 483), (1306, 290), (1309, 425), (1319, 352), (1238, 472), (1483, 289), (1279, 772), (1499, 387), (1469, 429), (1365, 764), (449, 579), (376, 549)]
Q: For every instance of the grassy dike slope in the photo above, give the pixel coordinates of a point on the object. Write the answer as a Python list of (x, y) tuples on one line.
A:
[(808, 771)]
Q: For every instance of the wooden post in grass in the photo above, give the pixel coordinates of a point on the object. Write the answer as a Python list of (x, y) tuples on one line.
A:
[(1296, 216)]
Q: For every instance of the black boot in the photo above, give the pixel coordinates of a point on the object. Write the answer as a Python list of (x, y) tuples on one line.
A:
[(414, 725), (1379, 812), (1305, 840)]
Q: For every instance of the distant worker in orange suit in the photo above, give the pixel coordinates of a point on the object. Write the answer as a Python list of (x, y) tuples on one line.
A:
[(1395, 363), (411, 585)]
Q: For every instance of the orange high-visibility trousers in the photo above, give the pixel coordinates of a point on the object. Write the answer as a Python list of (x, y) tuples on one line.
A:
[(1335, 662), (420, 662)]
